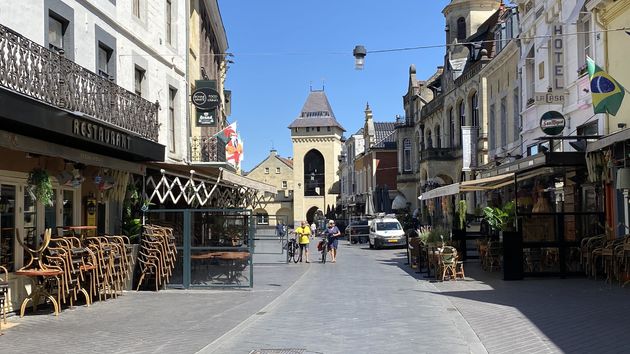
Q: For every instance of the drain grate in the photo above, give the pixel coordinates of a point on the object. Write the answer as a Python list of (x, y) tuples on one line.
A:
[(278, 351)]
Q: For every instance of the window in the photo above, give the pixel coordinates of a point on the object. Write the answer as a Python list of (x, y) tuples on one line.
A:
[(104, 57), (491, 129), (169, 22), (308, 129), (136, 8), (277, 170), (532, 150), (517, 114), (284, 184), (317, 128), (474, 110), (56, 31), (584, 39), (262, 219), (328, 128), (461, 28), (406, 155), (503, 118), (171, 119), (266, 170), (451, 125), (462, 119), (429, 140), (139, 78), (438, 137)]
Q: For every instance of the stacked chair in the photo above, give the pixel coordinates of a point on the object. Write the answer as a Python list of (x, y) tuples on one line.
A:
[(609, 258), (4, 294), (157, 255)]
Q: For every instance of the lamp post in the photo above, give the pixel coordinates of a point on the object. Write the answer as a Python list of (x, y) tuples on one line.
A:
[(359, 53)]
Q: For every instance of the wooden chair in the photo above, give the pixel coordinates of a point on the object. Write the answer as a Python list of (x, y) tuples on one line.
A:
[(4, 295), (459, 269), (448, 262), (493, 256)]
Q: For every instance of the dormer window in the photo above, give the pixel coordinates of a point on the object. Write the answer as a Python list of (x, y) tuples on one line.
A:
[(461, 28)]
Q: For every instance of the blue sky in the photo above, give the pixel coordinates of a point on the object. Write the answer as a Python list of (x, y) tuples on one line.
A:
[(282, 47)]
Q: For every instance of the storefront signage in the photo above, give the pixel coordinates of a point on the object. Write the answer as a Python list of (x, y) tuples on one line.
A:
[(206, 98), (557, 56), (101, 134), (207, 117), (554, 97), (552, 123)]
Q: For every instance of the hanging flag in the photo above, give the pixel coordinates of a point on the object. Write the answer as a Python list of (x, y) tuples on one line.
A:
[(606, 92), (227, 132), (234, 150)]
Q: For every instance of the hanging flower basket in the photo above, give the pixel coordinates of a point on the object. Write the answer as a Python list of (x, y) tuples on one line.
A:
[(40, 187)]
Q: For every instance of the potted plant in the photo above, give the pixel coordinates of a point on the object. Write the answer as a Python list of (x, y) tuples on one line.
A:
[(40, 187), (461, 212)]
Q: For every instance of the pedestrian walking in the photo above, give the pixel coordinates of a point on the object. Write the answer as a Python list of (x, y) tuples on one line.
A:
[(280, 230), (313, 229), (304, 239), (333, 233)]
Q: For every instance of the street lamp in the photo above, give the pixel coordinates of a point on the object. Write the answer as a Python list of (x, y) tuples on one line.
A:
[(359, 53)]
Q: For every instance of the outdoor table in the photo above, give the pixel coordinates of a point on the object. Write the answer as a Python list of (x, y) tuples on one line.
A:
[(233, 259), (82, 231), (38, 279)]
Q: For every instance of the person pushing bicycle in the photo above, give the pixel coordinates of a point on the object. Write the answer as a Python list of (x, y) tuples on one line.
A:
[(304, 238)]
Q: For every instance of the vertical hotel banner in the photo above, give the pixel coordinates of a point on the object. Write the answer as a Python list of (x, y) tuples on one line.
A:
[(233, 145)]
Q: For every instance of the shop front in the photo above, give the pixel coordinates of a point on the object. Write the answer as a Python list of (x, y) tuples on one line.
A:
[(70, 141)]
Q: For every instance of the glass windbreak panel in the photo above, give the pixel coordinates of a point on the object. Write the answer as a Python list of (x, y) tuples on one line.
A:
[(212, 268), (539, 228), (174, 220), (50, 214), (7, 226), (543, 192), (67, 208), (215, 229), (541, 260)]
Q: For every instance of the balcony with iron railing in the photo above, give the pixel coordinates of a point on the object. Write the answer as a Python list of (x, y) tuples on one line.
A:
[(44, 75), (440, 154), (207, 149)]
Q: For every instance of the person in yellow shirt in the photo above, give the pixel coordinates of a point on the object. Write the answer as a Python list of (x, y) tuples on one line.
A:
[(303, 234)]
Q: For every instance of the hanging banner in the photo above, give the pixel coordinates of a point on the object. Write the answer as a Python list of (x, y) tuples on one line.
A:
[(233, 145), (469, 147)]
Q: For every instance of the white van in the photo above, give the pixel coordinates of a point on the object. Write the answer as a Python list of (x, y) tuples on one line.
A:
[(386, 231)]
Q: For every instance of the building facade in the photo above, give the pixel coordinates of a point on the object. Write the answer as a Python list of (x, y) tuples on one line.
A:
[(317, 139), (276, 171)]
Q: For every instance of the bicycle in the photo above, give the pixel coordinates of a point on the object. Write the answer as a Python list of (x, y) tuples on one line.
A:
[(293, 251)]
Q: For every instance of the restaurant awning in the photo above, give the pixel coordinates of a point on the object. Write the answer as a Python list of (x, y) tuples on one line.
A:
[(611, 139), (487, 183), (449, 189)]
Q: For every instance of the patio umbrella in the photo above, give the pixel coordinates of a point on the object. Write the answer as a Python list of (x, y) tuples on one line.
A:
[(369, 204)]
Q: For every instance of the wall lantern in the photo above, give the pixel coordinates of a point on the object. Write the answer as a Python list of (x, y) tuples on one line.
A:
[(359, 53)]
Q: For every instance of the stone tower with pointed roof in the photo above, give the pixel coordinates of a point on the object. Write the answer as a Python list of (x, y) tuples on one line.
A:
[(317, 139)]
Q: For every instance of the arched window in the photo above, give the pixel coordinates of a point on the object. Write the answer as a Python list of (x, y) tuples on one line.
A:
[(474, 110), (406, 155), (314, 172), (461, 28), (438, 137), (451, 125), (429, 139)]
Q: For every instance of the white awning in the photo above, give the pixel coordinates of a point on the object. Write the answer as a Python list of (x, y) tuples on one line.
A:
[(449, 189), (400, 202), (487, 183)]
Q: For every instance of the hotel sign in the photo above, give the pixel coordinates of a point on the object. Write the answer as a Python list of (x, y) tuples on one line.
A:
[(556, 52)]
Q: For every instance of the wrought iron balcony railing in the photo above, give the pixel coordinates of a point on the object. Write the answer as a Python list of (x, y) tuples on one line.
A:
[(37, 72), (207, 149), (438, 154)]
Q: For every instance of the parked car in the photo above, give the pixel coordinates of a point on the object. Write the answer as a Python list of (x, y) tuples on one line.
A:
[(358, 231), (386, 231)]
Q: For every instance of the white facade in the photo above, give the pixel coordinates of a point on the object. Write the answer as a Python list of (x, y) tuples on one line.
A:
[(134, 42), (557, 64)]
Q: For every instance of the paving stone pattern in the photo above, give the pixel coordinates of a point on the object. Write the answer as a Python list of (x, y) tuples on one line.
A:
[(368, 302)]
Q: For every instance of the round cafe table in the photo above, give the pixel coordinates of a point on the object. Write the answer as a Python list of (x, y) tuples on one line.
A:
[(38, 278)]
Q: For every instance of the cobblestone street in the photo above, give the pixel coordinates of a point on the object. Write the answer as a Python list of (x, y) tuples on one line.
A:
[(368, 302)]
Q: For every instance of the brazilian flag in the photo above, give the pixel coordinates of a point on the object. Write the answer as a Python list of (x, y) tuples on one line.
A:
[(607, 93)]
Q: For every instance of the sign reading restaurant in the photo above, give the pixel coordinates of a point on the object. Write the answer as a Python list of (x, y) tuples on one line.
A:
[(101, 134)]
